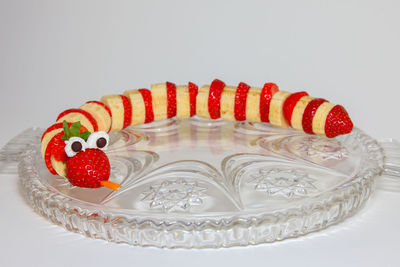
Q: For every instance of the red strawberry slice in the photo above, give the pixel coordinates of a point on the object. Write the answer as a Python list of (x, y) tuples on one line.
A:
[(127, 111), (338, 122), (171, 99), (309, 114), (83, 112), (58, 147), (267, 92), (103, 105), (240, 101), (193, 90), (88, 168), (214, 98), (290, 103), (148, 105)]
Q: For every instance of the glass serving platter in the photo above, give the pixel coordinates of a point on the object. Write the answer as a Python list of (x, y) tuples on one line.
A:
[(208, 184)]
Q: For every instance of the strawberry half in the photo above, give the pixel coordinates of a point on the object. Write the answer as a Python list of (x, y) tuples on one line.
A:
[(88, 168), (290, 103), (193, 90), (148, 105), (267, 92), (309, 113), (171, 99), (338, 122), (214, 98), (240, 101)]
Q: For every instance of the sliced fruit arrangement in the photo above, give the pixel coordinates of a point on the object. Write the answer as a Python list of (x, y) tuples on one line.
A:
[(167, 100), (75, 153)]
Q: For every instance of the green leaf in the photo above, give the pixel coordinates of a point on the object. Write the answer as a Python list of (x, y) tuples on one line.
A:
[(85, 135), (75, 128), (66, 129), (63, 137)]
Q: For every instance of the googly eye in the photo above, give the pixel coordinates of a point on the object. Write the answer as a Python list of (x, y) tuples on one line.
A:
[(98, 140), (74, 145)]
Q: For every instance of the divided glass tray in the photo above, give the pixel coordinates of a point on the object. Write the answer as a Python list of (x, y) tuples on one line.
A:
[(208, 184)]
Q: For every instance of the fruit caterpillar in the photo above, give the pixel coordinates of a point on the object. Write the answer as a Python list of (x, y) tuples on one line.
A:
[(79, 136)]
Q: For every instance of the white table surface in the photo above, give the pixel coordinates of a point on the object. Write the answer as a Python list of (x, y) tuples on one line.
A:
[(59, 54)]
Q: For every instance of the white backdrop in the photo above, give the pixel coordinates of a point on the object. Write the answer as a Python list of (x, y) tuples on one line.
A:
[(58, 54)]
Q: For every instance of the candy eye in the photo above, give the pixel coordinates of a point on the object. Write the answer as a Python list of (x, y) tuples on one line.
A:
[(74, 145), (98, 140)]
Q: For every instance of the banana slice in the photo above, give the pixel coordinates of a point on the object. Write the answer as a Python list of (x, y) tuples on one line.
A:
[(138, 107), (59, 166), (100, 114), (253, 105), (159, 101), (276, 109), (182, 102), (114, 102), (298, 111), (202, 102), (318, 122), (228, 103)]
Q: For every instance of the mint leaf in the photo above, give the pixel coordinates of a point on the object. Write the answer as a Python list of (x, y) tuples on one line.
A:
[(66, 129), (85, 135), (75, 128), (63, 137)]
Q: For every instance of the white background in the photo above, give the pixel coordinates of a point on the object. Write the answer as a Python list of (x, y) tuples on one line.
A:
[(56, 55)]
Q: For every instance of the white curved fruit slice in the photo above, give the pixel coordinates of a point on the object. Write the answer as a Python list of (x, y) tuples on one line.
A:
[(182, 102), (159, 101), (138, 106), (318, 122), (276, 117), (253, 105), (114, 102), (298, 111), (202, 102), (228, 103), (59, 166), (100, 114)]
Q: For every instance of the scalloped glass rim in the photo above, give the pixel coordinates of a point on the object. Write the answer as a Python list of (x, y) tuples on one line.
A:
[(212, 230)]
